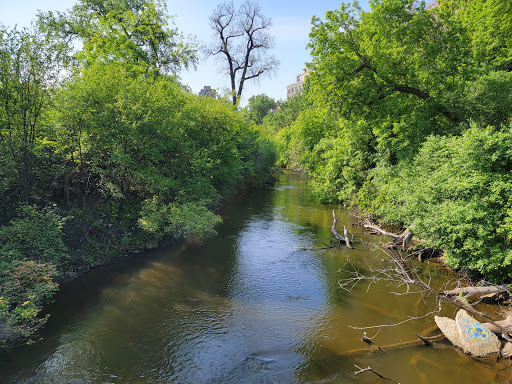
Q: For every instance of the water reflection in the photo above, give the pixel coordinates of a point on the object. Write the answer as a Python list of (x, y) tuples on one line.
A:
[(250, 306)]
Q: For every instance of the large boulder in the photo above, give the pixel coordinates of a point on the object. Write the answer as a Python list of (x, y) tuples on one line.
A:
[(475, 338), (449, 328)]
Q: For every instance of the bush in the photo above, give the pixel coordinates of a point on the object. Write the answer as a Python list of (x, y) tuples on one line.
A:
[(458, 194), (35, 235), (191, 221), (24, 287)]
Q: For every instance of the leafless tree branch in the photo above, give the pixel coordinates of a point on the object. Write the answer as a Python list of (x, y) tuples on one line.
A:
[(242, 37), (396, 270)]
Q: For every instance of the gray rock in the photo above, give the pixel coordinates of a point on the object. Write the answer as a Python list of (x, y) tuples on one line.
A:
[(506, 352), (475, 338), (449, 328)]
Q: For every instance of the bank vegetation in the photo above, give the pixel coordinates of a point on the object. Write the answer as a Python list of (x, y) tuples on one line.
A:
[(103, 151), (407, 114)]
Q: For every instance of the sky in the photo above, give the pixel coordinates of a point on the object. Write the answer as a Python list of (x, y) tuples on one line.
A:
[(291, 26)]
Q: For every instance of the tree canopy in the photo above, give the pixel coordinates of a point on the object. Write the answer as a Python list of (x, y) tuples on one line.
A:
[(260, 106), (134, 32)]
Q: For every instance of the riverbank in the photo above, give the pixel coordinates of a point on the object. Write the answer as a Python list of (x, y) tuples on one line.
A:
[(251, 304)]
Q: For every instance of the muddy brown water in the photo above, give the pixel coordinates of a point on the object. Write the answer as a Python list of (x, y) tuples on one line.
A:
[(249, 306)]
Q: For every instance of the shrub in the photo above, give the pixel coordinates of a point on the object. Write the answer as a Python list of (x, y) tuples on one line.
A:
[(24, 287), (458, 194), (191, 221), (36, 234)]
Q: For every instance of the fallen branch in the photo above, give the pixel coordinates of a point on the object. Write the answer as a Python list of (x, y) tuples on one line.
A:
[(504, 324), (369, 369), (424, 339), (345, 234), (371, 343), (341, 238), (477, 290), (397, 271), (376, 229), (404, 344), (402, 240)]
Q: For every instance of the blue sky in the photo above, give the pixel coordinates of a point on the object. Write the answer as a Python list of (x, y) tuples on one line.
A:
[(291, 25)]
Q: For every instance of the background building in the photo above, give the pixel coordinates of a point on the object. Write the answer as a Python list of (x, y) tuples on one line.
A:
[(207, 91), (296, 88)]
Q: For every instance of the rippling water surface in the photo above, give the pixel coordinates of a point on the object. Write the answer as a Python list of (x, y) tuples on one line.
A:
[(250, 306)]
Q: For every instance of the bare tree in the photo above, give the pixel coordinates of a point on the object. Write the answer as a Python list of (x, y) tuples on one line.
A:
[(243, 42)]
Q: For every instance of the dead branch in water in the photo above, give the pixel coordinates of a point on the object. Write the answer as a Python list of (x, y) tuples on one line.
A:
[(341, 238), (369, 369), (388, 348), (399, 240), (477, 290), (396, 270), (374, 228)]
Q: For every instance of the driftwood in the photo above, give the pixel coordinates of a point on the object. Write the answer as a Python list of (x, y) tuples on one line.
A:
[(477, 290), (399, 272), (370, 369), (405, 344), (504, 324), (341, 238), (402, 240), (399, 240), (369, 342), (373, 228)]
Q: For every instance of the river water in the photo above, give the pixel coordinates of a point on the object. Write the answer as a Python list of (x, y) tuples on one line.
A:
[(252, 305)]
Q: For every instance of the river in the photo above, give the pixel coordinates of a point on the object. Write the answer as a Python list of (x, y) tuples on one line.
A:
[(249, 306)]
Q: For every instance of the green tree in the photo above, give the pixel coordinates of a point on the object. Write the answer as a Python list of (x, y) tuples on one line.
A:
[(133, 32), (259, 107), (24, 287), (489, 23), (30, 71), (457, 194)]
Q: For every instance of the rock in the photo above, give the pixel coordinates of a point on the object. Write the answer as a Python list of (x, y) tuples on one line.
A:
[(475, 338), (506, 352), (152, 244), (449, 328)]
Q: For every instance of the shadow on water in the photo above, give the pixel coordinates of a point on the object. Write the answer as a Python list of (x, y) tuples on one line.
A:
[(249, 306)]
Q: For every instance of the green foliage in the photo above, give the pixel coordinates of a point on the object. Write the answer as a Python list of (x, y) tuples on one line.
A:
[(259, 107), (394, 120), (286, 114), (489, 23), (457, 193), (24, 287), (489, 99), (134, 33), (36, 234), (345, 161), (110, 142), (191, 221), (30, 67)]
